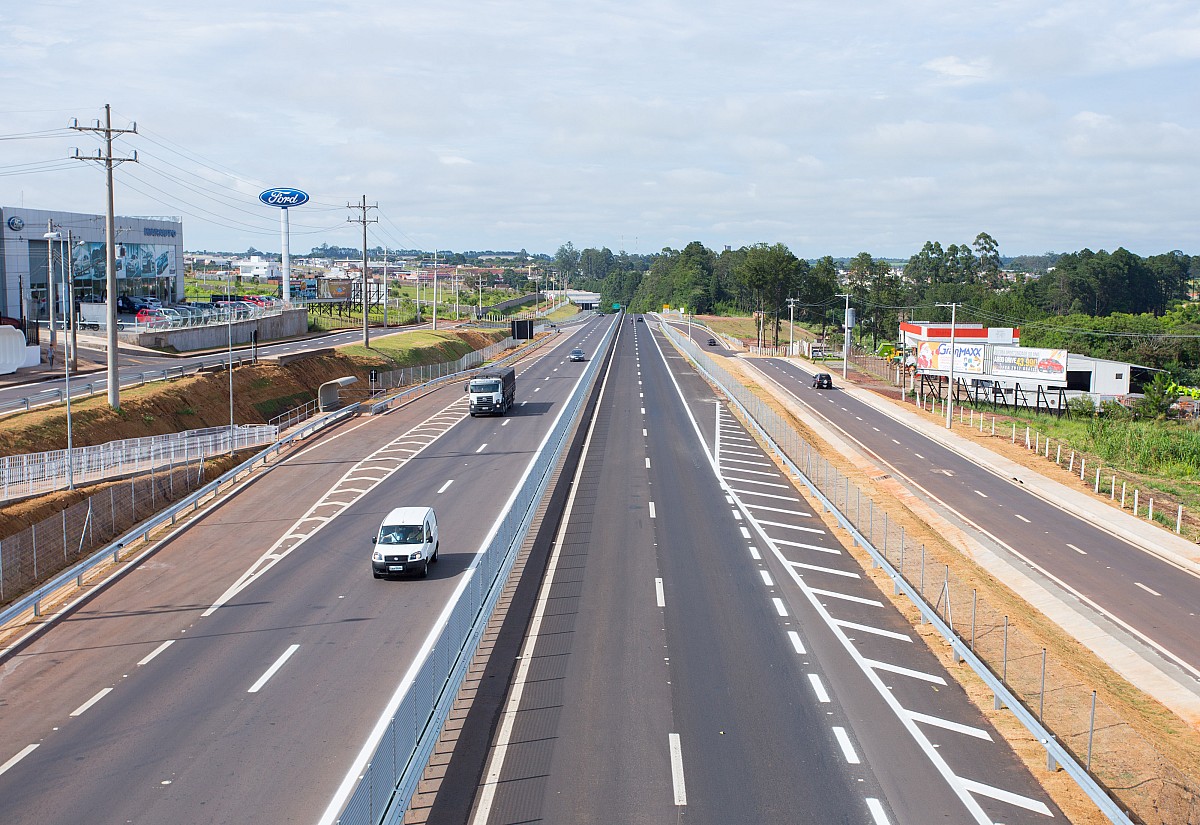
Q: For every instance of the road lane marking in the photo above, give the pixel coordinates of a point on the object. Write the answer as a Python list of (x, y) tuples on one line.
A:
[(894, 441), (1076, 549), (816, 568), (981, 494), (79, 711), (833, 551), (150, 656), (766, 577), (799, 527), (445, 487), (762, 483), (745, 532), (780, 607), (273, 669), (651, 509), (918, 455), (833, 594), (878, 631), (1022, 518), (877, 812), (537, 389), (647, 462), (796, 643), (946, 724), (482, 447), (737, 516), (659, 595), (778, 510), (818, 688), (843, 740), (1005, 796), (505, 422), (21, 754), (643, 410), (643, 432), (754, 554), (763, 495), (875, 664), (1147, 589), (772, 474), (725, 460), (677, 769)]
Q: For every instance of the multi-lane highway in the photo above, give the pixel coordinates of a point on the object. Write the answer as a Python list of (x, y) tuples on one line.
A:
[(702, 648)]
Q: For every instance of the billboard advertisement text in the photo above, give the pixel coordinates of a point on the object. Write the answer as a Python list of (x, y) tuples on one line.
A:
[(935, 357), (1030, 362)]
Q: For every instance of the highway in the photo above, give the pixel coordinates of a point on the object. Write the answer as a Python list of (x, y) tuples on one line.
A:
[(235, 674), (704, 650)]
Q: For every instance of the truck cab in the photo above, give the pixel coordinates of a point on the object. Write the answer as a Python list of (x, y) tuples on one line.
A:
[(406, 544), (492, 391)]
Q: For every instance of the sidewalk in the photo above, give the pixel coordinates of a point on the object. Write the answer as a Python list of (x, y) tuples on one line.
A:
[(1132, 658)]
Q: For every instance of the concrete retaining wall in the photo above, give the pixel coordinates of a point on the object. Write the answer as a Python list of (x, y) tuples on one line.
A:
[(287, 324)]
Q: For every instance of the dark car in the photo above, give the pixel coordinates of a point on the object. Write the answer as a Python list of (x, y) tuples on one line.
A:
[(129, 304), (639, 319), (712, 342), (823, 381), (577, 355)]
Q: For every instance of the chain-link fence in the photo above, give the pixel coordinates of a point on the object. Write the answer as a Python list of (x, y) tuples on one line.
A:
[(1141, 778), (38, 553)]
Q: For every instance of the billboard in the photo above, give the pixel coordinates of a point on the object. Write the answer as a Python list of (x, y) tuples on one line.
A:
[(935, 357), (1030, 362), (133, 260)]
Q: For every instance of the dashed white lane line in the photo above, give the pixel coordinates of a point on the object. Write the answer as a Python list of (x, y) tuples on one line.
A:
[(918, 455), (643, 432), (445, 487), (1022, 518), (677, 783), (652, 509), (1005, 796), (981, 494), (843, 739), (818, 688), (537, 389), (1077, 550), (737, 516), (273, 669), (780, 607), (796, 642), (1151, 591), (766, 577), (745, 532), (947, 724), (647, 462), (754, 554), (643, 410), (505, 422), (894, 441), (79, 711), (482, 447), (659, 595), (150, 656), (877, 812), (932, 678), (21, 754)]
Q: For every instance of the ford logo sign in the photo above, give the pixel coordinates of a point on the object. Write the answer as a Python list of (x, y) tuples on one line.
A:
[(283, 198)]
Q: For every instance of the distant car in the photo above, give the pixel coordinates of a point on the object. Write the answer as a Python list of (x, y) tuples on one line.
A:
[(639, 319), (712, 342), (577, 355), (823, 381)]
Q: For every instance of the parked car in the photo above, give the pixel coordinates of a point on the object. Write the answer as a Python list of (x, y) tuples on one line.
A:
[(129, 304), (153, 318), (823, 381), (577, 355)]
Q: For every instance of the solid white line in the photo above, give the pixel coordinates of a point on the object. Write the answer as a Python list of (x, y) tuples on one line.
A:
[(763, 495), (904, 671), (780, 608), (831, 550), (877, 812), (1005, 796), (21, 754), (946, 724), (774, 474), (778, 510), (791, 526), (754, 554), (847, 748), (739, 452), (652, 509), (725, 460), (796, 643), (833, 594), (658, 593), (482, 447), (818, 688), (1077, 550), (752, 481), (766, 577), (1022, 518), (445, 486), (155, 652), (831, 571), (1147, 589), (677, 769), (79, 711), (273, 669), (878, 631)]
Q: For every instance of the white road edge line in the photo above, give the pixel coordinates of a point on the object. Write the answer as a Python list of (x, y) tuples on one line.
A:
[(21, 754), (150, 656), (677, 769), (877, 811), (273, 669), (79, 711)]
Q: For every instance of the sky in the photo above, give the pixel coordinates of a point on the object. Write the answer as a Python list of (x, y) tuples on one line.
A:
[(833, 128)]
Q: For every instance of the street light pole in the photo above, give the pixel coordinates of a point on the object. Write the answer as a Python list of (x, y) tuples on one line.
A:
[(69, 313), (950, 391), (846, 336), (51, 236), (229, 366), (791, 302)]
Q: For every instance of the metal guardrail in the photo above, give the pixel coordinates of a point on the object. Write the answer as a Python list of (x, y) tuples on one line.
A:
[(389, 780), (37, 473), (1057, 754), (112, 551)]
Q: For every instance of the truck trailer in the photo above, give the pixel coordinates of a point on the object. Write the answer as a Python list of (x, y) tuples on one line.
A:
[(492, 391)]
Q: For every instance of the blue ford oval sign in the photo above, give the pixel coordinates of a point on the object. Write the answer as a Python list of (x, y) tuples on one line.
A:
[(283, 198)]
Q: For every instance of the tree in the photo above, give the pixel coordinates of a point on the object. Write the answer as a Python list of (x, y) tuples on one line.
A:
[(989, 259), (770, 273), (566, 261)]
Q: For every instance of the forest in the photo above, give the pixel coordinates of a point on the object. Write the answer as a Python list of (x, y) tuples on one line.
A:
[(1115, 305)]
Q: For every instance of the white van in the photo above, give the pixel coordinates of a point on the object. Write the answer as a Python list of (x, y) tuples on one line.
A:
[(407, 542)]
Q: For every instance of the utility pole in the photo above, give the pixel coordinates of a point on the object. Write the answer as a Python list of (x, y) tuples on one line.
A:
[(385, 289), (364, 220), (435, 298), (950, 391), (791, 302), (846, 336), (110, 241), (51, 236)]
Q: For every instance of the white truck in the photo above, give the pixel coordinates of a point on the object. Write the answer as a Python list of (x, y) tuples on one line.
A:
[(93, 316), (493, 390)]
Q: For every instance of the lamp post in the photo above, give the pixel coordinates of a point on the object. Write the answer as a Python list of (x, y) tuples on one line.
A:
[(51, 236), (846, 336), (791, 302), (950, 390), (229, 366), (66, 355), (457, 276)]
